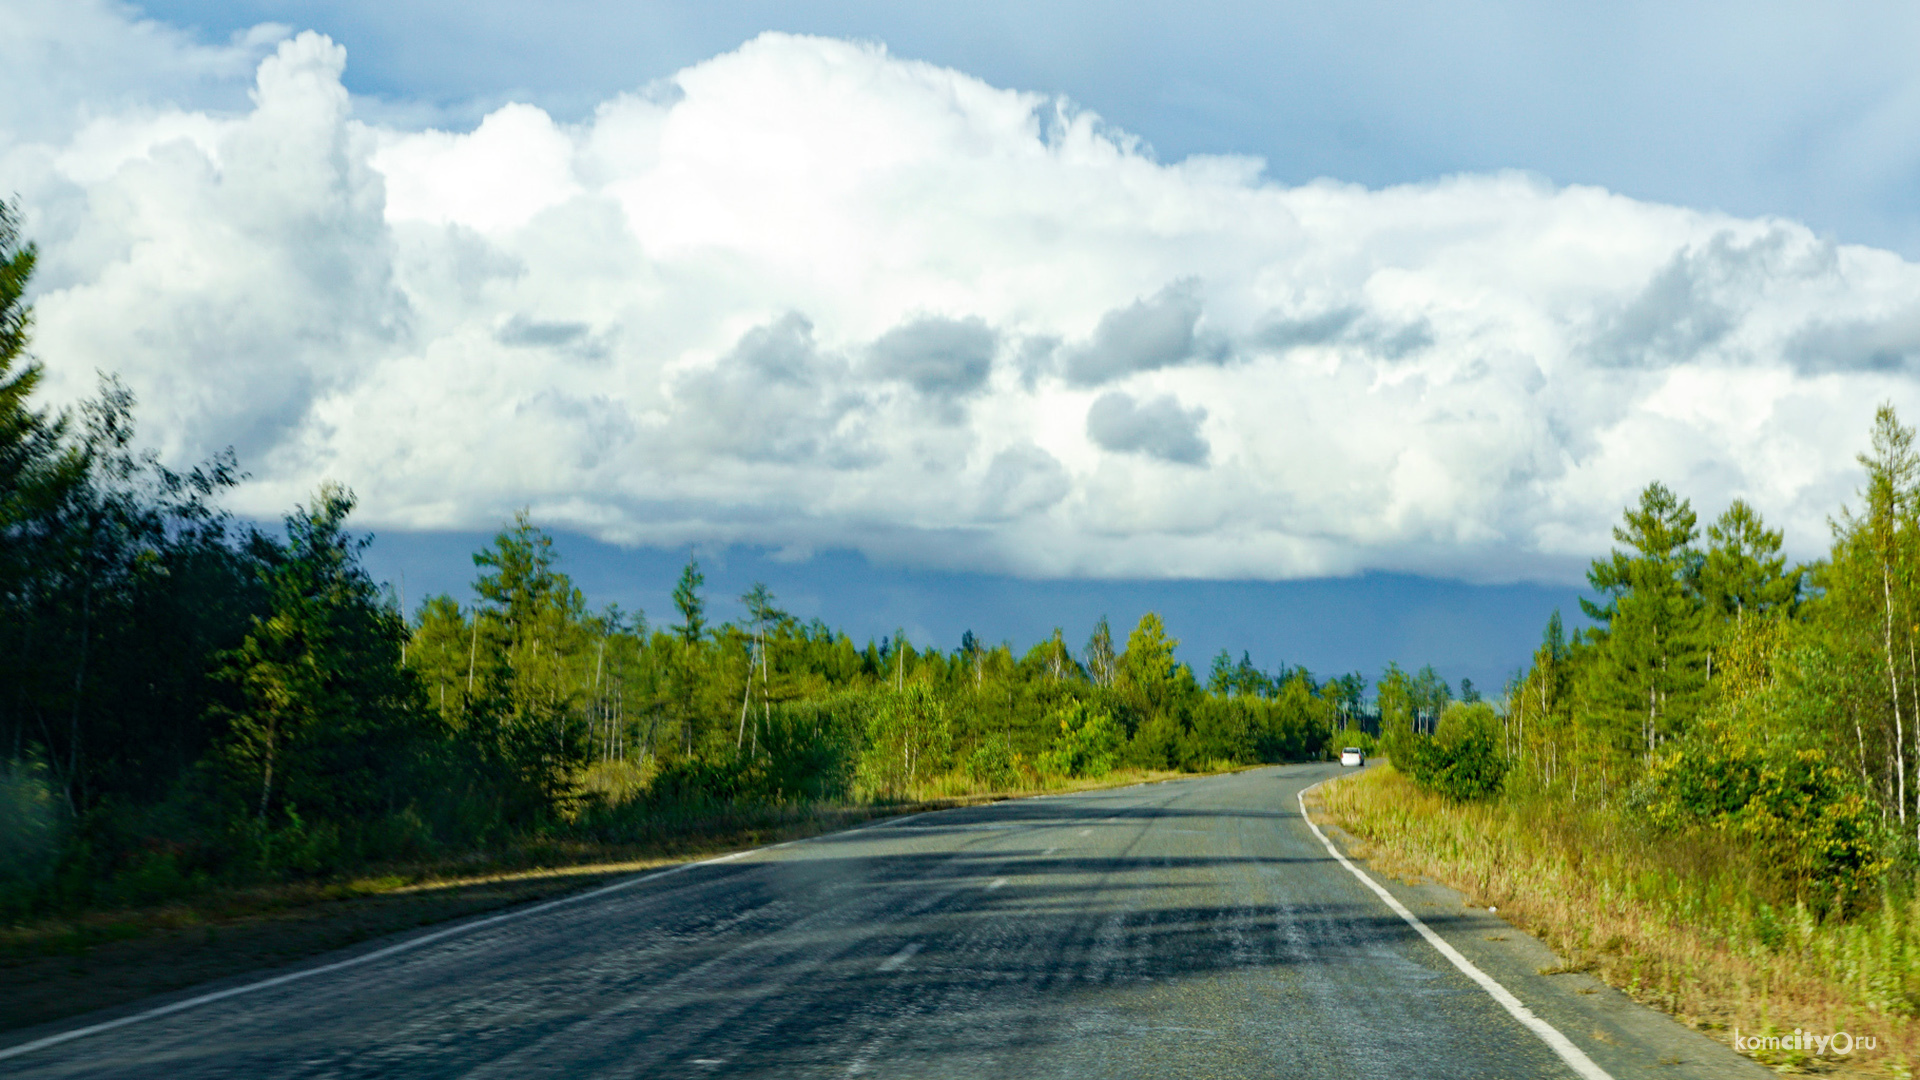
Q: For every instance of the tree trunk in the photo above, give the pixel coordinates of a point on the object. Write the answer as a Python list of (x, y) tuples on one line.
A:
[(746, 695), (1893, 693), (75, 790), (266, 775)]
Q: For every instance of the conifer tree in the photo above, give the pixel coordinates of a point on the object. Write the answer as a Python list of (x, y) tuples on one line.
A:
[(692, 607), (1744, 573), (1650, 667), (329, 720)]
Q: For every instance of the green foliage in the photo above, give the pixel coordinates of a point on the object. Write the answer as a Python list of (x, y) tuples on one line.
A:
[(692, 607), (1463, 759), (31, 827), (1357, 737), (908, 739), (1148, 672), (812, 749), (1088, 745), (1812, 826), (1649, 670), (326, 718), (1395, 701), (993, 763)]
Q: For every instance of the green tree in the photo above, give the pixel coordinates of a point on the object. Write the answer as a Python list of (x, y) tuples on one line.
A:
[(761, 615), (1100, 654), (1148, 670), (686, 597), (908, 738), (1650, 666), (1396, 701), (330, 722), (530, 635), (1744, 572), (1871, 583), (34, 470), (1088, 744), (1220, 680)]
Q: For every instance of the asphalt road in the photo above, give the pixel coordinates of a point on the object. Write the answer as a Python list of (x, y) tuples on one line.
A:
[(1188, 929)]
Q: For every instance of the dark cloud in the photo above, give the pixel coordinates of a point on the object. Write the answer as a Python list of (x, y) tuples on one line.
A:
[(1321, 329), (1348, 326), (525, 332), (774, 398), (1159, 428), (1147, 334), (1885, 345), (1695, 301), (1021, 480), (939, 357), (1672, 318)]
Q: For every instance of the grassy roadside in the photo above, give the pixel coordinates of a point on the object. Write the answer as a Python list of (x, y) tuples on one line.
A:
[(51, 968), (1675, 928)]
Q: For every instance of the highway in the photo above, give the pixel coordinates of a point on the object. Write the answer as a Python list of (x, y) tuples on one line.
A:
[(1195, 928)]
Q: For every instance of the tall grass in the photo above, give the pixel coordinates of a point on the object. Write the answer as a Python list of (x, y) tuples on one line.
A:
[(1694, 927)]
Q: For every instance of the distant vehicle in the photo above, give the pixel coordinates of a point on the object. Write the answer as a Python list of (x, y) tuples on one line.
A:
[(1352, 756)]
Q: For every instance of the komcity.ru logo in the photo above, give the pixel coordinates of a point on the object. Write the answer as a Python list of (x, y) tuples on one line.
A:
[(1805, 1042)]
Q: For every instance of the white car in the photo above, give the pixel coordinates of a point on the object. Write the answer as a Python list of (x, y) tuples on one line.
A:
[(1352, 756)]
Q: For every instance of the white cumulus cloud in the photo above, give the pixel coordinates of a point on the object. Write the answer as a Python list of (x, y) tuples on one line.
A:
[(809, 294)]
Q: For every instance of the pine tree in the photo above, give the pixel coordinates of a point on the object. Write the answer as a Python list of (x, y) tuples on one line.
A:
[(692, 607), (1744, 572), (329, 721), (1650, 668)]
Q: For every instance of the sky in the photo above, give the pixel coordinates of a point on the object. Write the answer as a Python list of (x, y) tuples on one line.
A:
[(1286, 317)]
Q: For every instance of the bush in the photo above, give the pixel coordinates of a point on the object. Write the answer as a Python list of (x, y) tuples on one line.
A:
[(812, 750), (1812, 822), (703, 781), (1088, 745), (1462, 760), (993, 764), (30, 831)]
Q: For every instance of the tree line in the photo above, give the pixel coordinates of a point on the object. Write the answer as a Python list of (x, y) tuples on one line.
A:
[(186, 698), (1724, 692)]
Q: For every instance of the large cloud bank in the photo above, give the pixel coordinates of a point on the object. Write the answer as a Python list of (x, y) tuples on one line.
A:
[(807, 294)]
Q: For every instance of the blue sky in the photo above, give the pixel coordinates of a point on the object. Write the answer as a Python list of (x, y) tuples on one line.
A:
[(1339, 334)]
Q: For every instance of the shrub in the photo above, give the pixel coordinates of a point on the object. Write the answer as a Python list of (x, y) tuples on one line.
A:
[(1088, 745), (1340, 740), (812, 750), (1811, 822), (1462, 760), (30, 831), (702, 781), (993, 764)]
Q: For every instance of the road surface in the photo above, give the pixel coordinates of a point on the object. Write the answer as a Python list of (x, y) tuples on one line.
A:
[(1195, 928)]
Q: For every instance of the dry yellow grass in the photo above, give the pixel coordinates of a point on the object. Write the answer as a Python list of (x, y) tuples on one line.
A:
[(1687, 928)]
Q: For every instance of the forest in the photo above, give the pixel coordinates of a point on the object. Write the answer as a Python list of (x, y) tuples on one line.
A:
[(1710, 795), (1722, 690), (188, 700)]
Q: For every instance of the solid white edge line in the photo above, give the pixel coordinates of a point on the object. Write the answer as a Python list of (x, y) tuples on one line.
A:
[(414, 943), (1560, 1044)]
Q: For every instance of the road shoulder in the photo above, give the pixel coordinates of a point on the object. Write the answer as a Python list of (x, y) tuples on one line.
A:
[(1622, 1036)]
